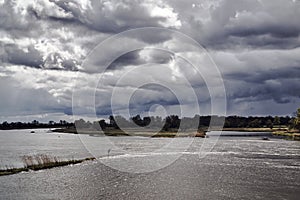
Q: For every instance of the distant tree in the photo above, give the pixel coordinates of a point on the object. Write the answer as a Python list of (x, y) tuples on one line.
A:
[(155, 122), (291, 123), (112, 121), (255, 123), (137, 120), (5, 125), (35, 122), (121, 121), (276, 120), (63, 122), (96, 126), (146, 121), (171, 122), (81, 124), (102, 124), (285, 120), (203, 120), (297, 120), (190, 124), (269, 124), (217, 121)]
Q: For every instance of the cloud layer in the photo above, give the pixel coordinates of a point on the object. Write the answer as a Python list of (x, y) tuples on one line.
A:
[(254, 43)]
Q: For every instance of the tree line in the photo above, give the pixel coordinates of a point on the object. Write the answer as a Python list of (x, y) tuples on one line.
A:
[(34, 124), (173, 122), (169, 123)]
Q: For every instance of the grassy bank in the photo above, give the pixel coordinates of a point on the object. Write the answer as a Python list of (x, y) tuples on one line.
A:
[(134, 132), (289, 134), (152, 133), (179, 134), (279, 132), (40, 162), (255, 129), (114, 132)]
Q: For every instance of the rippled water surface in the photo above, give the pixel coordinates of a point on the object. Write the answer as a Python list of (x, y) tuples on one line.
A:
[(235, 167)]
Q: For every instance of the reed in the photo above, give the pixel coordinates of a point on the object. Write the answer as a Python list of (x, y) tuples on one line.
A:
[(39, 162)]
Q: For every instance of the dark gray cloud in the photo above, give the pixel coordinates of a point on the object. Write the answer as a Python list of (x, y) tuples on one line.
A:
[(141, 57), (19, 100), (131, 58), (150, 38), (28, 56), (265, 75), (244, 23), (281, 91)]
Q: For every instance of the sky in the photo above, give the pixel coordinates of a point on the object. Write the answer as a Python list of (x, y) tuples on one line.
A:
[(54, 64)]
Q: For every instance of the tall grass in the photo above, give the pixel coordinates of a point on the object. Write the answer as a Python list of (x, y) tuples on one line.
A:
[(39, 162)]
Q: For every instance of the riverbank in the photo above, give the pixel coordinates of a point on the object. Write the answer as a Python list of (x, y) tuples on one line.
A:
[(282, 132), (253, 129), (41, 162)]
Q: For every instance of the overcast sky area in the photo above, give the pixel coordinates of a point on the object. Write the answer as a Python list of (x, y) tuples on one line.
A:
[(44, 44)]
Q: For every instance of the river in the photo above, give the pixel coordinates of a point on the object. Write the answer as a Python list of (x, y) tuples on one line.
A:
[(151, 168)]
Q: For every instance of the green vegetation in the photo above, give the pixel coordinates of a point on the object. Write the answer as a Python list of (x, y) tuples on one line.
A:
[(173, 123), (173, 126), (276, 121), (290, 135), (134, 132), (293, 131), (34, 124), (39, 162), (169, 124), (297, 120)]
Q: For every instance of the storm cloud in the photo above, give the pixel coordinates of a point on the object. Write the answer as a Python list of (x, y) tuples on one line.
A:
[(46, 46)]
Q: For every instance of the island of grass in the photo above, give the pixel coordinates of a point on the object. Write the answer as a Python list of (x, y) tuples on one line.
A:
[(287, 134), (144, 132), (40, 162)]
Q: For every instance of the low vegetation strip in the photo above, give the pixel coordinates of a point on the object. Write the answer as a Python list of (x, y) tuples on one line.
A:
[(289, 135), (39, 162)]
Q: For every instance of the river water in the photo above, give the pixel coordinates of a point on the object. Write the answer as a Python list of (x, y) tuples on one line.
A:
[(152, 168)]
